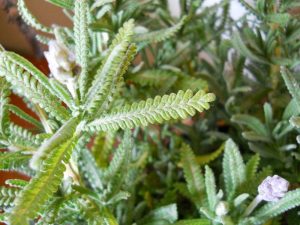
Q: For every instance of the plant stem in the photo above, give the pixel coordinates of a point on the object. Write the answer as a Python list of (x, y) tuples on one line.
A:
[(252, 206)]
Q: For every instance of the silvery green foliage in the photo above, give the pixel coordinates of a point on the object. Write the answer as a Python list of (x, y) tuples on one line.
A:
[(230, 204), (80, 99), (86, 167)]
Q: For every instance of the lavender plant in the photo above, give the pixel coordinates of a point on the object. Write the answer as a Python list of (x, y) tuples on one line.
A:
[(56, 154), (241, 182), (97, 154)]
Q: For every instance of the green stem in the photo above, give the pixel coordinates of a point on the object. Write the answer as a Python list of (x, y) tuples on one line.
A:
[(252, 206), (43, 118)]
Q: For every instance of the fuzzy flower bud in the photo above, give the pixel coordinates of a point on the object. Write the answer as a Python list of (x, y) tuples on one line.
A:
[(273, 188), (222, 208), (61, 63)]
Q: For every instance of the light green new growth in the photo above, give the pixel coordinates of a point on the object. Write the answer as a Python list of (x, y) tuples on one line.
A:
[(61, 136), (43, 185), (157, 110), (113, 68)]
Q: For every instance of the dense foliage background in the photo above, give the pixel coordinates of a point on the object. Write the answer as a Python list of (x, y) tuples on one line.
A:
[(101, 157)]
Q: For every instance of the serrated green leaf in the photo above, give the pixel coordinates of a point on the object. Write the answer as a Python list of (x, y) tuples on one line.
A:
[(82, 42), (88, 167), (16, 183), (122, 195), (32, 83), (112, 69), (23, 115), (23, 139), (102, 147), (210, 185), (121, 156), (40, 189), (63, 134), (205, 159), (193, 175), (240, 45), (11, 160), (159, 35), (30, 19), (62, 93), (251, 122), (252, 166), (7, 196), (250, 187), (270, 210), (292, 85), (157, 110), (291, 109), (4, 100), (233, 168)]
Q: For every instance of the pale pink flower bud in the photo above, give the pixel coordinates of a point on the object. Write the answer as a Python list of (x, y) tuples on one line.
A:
[(273, 188)]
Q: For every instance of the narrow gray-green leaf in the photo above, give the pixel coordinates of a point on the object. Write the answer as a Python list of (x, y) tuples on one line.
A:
[(82, 42), (41, 188)]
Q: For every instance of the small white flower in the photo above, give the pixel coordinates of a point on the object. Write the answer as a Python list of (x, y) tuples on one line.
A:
[(61, 61), (61, 64), (273, 188), (222, 208)]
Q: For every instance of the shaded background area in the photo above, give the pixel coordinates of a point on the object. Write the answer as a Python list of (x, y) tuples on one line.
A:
[(10, 35)]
